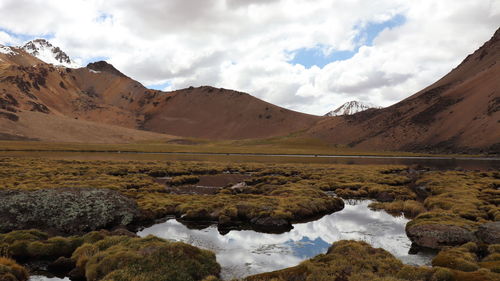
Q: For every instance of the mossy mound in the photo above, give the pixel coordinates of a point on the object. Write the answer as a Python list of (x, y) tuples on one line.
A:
[(358, 261), (144, 259), (345, 260), (11, 271), (65, 210), (37, 245), (437, 230), (460, 258), (274, 195), (460, 208)]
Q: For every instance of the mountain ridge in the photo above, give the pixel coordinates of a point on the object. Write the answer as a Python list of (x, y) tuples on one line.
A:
[(100, 93), (460, 113)]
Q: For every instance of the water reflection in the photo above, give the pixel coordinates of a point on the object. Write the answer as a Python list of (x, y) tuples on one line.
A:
[(45, 278), (247, 252)]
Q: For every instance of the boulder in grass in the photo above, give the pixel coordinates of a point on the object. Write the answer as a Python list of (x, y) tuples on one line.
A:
[(489, 233), (65, 210)]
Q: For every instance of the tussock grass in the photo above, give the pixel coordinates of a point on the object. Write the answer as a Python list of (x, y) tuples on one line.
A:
[(278, 191), (465, 199), (277, 145), (149, 258), (11, 271), (410, 208), (356, 260)]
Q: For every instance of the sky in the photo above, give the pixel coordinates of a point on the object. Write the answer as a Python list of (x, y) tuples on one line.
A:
[(306, 55)]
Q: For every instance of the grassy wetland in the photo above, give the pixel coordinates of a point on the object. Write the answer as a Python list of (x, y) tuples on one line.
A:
[(454, 212)]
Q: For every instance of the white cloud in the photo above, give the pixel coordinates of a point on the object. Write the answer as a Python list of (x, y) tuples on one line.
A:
[(245, 45)]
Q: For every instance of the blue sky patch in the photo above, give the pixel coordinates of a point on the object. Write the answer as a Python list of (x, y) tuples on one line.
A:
[(104, 17), (307, 248), (369, 32), (309, 57), (316, 56), (25, 37), (160, 87), (94, 59)]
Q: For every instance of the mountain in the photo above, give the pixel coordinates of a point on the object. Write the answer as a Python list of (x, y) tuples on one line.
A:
[(350, 108), (99, 94), (98, 103), (48, 53), (458, 113)]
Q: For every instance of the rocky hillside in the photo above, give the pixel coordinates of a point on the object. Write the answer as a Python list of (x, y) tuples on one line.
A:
[(458, 113), (101, 95)]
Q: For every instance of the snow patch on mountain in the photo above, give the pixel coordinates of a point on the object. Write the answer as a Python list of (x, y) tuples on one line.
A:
[(350, 108), (45, 51), (6, 50)]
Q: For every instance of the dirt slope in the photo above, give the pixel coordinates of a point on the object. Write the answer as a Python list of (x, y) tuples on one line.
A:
[(208, 112), (46, 127), (458, 113), (102, 94), (44, 102)]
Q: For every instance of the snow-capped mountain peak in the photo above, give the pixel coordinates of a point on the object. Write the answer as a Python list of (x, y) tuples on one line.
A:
[(45, 51), (350, 108)]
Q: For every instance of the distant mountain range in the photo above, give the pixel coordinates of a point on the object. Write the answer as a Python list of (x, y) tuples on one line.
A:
[(44, 95), (350, 108)]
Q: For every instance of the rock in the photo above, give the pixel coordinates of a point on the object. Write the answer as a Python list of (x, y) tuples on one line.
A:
[(270, 222), (414, 249), (77, 274), (239, 187), (489, 233), (437, 236), (123, 232), (385, 197), (65, 210), (62, 265), (422, 191)]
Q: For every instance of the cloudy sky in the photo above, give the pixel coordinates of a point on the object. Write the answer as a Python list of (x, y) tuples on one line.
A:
[(306, 55)]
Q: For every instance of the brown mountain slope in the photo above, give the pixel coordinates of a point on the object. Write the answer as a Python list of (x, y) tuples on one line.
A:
[(45, 102), (208, 112), (458, 113), (52, 128), (100, 93)]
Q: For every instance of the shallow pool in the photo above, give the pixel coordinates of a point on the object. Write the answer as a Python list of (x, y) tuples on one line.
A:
[(247, 252)]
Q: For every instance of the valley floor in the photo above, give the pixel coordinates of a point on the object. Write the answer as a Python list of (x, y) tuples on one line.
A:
[(67, 202)]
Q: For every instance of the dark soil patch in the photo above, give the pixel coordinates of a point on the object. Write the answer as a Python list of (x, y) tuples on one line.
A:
[(4, 136), (221, 180), (207, 184), (10, 116), (428, 116), (194, 190), (493, 106), (38, 107), (182, 141)]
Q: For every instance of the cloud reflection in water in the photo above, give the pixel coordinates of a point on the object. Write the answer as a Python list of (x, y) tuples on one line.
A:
[(247, 252)]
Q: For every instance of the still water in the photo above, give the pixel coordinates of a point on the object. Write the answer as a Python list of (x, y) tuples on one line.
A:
[(440, 163), (44, 278), (246, 252)]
